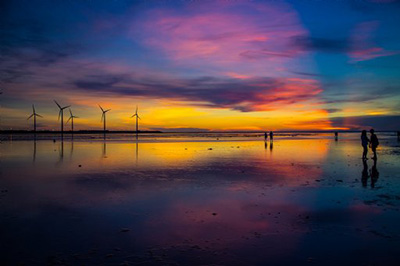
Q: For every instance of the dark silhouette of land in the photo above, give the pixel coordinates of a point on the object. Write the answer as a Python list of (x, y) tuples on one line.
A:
[(277, 133), (7, 132)]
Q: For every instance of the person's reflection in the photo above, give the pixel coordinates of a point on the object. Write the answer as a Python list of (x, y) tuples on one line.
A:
[(374, 174), (364, 174), (271, 146)]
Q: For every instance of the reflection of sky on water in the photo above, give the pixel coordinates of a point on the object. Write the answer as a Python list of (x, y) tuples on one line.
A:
[(218, 202)]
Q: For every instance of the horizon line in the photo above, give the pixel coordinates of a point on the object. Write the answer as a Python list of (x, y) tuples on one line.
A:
[(187, 132)]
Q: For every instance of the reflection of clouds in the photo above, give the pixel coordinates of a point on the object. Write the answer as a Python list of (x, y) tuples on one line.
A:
[(103, 182), (363, 209), (224, 203), (226, 219), (339, 215), (291, 158), (106, 180)]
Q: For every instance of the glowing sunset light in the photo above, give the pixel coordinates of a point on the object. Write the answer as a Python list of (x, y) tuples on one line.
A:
[(200, 132), (223, 65)]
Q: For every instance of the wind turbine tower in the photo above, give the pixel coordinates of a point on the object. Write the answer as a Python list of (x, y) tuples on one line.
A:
[(61, 114), (72, 120), (34, 115), (137, 122), (103, 117)]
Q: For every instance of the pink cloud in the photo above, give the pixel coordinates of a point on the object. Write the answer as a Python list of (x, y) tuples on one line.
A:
[(362, 45), (369, 53), (237, 75), (223, 35)]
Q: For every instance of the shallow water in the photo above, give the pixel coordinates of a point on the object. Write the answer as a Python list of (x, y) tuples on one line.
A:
[(196, 200)]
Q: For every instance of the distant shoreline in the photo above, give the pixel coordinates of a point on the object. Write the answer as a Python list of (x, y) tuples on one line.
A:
[(7, 132)]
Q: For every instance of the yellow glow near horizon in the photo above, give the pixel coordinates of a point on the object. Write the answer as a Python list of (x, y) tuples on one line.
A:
[(161, 114)]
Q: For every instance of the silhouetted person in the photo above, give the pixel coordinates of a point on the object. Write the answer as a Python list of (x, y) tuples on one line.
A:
[(265, 136), (364, 143), (271, 136), (374, 174), (374, 143), (398, 135), (336, 135), (364, 174)]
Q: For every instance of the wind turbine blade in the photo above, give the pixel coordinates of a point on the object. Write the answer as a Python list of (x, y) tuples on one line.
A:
[(59, 106), (75, 116), (139, 117), (68, 119), (101, 108), (33, 108), (65, 107), (30, 116), (136, 109), (70, 112), (39, 115), (133, 115), (59, 114), (107, 110)]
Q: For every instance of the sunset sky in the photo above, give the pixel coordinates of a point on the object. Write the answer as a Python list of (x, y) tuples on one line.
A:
[(202, 65)]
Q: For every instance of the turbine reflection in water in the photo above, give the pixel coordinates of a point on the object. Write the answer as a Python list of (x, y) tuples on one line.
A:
[(239, 197)]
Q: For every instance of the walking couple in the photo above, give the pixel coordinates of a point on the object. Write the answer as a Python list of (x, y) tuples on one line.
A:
[(373, 143)]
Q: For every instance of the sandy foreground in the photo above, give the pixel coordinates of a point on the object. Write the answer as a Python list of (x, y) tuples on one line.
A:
[(301, 201)]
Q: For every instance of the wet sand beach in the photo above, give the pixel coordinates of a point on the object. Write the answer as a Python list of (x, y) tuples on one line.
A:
[(200, 200)]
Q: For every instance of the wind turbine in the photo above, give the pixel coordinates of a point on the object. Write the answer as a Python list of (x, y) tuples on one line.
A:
[(103, 117), (72, 119), (137, 124), (34, 115), (61, 113)]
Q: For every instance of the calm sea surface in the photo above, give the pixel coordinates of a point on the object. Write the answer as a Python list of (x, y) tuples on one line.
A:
[(199, 199)]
